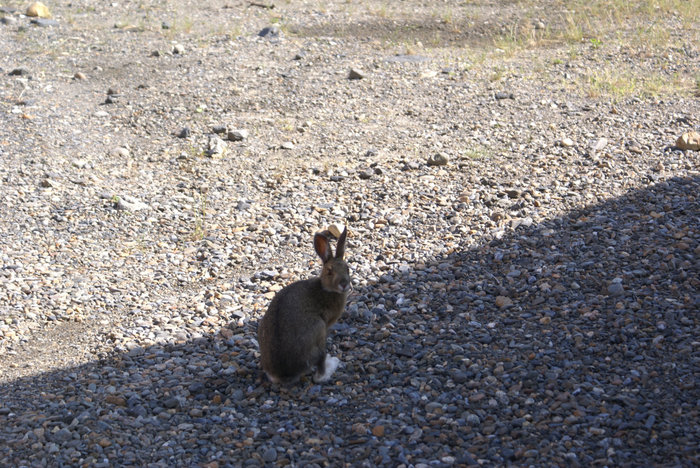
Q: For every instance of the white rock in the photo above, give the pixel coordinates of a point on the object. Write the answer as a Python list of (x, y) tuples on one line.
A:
[(599, 144), (216, 147), (336, 230), (120, 152), (129, 203), (566, 142)]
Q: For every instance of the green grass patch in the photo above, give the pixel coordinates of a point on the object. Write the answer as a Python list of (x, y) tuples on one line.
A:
[(619, 83)]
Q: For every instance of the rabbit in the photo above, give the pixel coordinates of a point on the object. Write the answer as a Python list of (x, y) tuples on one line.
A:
[(292, 333)]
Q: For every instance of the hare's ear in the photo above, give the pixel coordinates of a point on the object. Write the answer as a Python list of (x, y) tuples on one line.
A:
[(323, 247), (340, 248)]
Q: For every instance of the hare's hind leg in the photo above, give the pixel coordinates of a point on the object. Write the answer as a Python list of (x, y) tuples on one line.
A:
[(325, 364), (325, 368)]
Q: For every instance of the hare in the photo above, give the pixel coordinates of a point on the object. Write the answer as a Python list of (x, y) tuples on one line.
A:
[(292, 333)]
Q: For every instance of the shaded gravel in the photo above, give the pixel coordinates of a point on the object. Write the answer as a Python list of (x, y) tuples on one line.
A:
[(525, 257)]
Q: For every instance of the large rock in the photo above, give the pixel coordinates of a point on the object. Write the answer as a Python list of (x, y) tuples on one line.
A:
[(39, 10), (216, 147), (336, 230), (439, 159), (356, 74), (238, 134), (689, 141)]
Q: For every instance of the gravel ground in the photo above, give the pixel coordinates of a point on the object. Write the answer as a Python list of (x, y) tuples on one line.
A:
[(524, 245)]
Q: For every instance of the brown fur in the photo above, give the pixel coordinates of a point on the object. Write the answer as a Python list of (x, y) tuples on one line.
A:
[(292, 334)]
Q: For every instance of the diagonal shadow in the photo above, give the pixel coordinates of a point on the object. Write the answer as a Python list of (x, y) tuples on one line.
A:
[(570, 366)]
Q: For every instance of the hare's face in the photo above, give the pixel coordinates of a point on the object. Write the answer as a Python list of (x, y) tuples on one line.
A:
[(336, 276)]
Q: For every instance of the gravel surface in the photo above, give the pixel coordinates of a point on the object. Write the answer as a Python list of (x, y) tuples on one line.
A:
[(524, 245)]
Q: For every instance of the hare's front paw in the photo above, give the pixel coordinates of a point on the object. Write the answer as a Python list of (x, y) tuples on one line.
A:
[(330, 366), (272, 378)]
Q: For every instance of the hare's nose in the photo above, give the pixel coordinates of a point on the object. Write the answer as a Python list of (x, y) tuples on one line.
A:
[(345, 285)]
